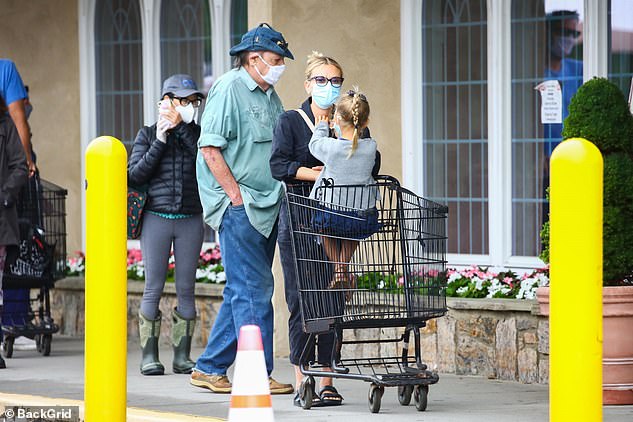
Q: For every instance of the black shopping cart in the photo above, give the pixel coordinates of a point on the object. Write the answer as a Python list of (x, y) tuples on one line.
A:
[(371, 256), (40, 262)]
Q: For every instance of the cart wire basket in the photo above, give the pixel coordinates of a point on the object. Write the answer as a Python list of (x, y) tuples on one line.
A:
[(40, 262), (368, 256)]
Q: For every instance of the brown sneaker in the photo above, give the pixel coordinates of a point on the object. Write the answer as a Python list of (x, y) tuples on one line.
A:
[(279, 388), (215, 383)]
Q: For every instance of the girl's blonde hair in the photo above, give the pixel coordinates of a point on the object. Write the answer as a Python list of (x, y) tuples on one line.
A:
[(353, 108), (317, 59)]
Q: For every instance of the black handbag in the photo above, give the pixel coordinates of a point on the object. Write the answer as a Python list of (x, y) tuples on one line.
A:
[(136, 199)]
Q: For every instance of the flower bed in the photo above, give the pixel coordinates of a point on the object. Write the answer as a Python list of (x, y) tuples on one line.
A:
[(478, 282), (472, 282), (210, 269)]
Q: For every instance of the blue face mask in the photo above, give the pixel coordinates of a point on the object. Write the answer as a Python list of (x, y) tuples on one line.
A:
[(339, 132), (325, 96)]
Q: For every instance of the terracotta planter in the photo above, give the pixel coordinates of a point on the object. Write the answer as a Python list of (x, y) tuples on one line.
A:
[(617, 346)]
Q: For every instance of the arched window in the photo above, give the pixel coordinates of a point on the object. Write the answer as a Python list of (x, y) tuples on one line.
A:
[(185, 39), (119, 69)]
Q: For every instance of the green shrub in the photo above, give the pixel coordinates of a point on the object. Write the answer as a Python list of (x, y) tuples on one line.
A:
[(599, 113)]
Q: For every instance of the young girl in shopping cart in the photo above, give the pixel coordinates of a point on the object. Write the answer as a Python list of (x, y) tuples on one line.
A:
[(345, 187)]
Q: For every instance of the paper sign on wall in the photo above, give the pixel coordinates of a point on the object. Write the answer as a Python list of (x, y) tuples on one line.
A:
[(551, 102)]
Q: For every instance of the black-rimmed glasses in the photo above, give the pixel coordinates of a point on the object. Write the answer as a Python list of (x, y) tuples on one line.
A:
[(186, 101), (336, 81)]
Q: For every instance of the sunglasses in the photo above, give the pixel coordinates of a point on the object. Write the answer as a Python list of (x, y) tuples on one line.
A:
[(571, 33), (336, 81)]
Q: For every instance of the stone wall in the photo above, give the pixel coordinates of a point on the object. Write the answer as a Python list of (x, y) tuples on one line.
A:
[(497, 338)]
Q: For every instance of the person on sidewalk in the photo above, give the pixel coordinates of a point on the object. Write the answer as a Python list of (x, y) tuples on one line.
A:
[(241, 199), (292, 162), (13, 174), (15, 96), (163, 158)]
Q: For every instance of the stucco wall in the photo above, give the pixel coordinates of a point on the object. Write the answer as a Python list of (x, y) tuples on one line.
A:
[(364, 37), (40, 36)]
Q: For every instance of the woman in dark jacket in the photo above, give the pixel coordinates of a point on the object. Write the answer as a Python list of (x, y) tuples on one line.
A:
[(292, 162), (13, 174), (163, 159)]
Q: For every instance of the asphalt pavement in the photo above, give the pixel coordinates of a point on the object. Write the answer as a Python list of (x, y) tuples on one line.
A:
[(453, 398)]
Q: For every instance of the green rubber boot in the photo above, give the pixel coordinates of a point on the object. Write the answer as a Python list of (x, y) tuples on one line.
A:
[(181, 334), (149, 331)]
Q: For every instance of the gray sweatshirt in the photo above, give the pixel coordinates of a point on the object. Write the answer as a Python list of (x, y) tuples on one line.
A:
[(355, 170)]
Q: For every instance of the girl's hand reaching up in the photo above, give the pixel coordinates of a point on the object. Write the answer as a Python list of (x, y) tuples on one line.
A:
[(321, 118)]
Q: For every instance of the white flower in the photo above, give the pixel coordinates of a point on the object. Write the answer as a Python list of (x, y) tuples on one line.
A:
[(454, 276), (462, 290), (221, 277)]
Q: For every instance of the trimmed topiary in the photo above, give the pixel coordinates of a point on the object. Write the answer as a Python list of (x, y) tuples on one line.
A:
[(600, 113)]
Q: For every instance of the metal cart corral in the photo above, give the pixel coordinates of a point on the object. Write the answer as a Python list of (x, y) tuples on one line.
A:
[(41, 261), (396, 277)]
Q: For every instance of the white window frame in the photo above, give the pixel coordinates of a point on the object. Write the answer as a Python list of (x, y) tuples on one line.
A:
[(220, 11), (595, 59)]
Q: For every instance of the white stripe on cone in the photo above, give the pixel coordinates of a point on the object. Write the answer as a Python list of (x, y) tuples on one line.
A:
[(250, 380)]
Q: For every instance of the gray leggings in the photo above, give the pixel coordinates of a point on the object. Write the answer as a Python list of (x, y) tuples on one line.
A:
[(156, 240)]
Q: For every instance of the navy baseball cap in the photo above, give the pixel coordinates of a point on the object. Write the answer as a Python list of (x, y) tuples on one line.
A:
[(263, 38), (180, 86)]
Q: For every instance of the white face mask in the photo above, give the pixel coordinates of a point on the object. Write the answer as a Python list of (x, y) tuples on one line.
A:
[(274, 72), (187, 112)]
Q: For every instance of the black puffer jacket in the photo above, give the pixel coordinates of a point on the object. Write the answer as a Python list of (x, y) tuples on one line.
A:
[(167, 169)]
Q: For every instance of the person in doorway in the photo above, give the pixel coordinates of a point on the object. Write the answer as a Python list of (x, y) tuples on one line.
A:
[(13, 175), (163, 158), (563, 35), (241, 199)]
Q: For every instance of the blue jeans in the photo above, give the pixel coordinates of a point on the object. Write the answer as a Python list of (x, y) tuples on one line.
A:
[(248, 257)]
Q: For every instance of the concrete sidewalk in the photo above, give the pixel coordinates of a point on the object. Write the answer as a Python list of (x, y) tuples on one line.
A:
[(454, 398)]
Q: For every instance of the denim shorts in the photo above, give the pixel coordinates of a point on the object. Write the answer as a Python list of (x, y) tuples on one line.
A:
[(356, 224)]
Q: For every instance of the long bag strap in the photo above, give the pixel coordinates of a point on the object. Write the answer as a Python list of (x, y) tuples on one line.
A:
[(306, 119)]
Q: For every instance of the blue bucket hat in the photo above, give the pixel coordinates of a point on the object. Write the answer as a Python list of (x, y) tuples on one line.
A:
[(263, 38)]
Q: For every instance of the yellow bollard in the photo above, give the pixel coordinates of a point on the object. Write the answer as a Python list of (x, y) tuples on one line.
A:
[(576, 282), (105, 391)]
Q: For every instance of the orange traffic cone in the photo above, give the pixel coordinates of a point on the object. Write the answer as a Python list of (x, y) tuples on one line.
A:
[(250, 396)]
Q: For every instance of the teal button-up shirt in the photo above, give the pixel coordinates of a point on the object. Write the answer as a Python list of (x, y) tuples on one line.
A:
[(239, 118)]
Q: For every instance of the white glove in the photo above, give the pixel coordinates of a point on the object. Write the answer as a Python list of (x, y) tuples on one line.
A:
[(161, 129)]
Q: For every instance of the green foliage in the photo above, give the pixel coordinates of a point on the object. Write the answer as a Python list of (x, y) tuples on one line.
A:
[(599, 113), (545, 241)]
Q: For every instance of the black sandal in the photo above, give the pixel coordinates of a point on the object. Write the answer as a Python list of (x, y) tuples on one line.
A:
[(330, 396), (316, 401)]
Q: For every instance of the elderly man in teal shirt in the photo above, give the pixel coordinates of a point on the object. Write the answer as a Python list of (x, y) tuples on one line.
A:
[(241, 199)]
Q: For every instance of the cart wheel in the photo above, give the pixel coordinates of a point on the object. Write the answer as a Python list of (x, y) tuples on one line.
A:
[(46, 344), (404, 394), (421, 397), (306, 393), (7, 345), (375, 395)]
